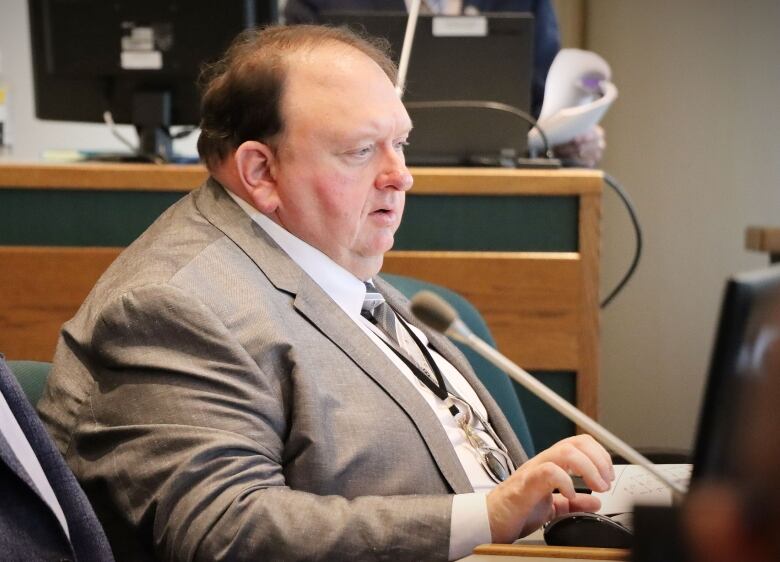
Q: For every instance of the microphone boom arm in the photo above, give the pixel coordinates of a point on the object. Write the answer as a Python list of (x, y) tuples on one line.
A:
[(460, 332)]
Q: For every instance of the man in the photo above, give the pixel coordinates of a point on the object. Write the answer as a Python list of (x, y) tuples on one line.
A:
[(586, 149), (220, 395), (44, 514)]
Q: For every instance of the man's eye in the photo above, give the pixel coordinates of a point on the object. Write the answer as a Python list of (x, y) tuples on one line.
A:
[(400, 146), (362, 152)]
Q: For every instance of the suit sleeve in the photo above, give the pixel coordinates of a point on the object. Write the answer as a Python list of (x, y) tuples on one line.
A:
[(547, 43), (187, 438)]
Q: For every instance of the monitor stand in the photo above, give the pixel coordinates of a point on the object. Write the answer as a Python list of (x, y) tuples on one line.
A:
[(152, 120)]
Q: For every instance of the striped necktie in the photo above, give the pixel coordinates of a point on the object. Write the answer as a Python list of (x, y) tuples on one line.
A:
[(376, 310)]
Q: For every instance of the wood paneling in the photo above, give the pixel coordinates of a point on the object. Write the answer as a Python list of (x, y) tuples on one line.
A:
[(152, 177), (529, 300), (763, 239), (41, 288), (588, 283), (102, 177)]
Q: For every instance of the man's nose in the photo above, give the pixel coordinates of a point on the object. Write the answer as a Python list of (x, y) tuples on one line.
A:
[(394, 173)]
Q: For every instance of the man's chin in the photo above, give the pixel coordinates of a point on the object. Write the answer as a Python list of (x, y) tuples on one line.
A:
[(376, 265)]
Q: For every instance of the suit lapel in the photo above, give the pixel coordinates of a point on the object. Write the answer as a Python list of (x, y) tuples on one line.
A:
[(312, 302), (221, 211), (8, 457), (86, 535), (7, 454), (343, 332)]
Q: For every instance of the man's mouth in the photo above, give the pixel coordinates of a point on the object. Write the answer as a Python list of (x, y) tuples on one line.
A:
[(386, 215)]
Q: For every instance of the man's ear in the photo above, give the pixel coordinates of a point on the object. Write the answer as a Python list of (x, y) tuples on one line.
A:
[(256, 167)]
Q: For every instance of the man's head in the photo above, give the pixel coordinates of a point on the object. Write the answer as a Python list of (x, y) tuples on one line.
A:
[(305, 124)]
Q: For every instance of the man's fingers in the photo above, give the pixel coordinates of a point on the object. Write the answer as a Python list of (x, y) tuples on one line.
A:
[(548, 476), (583, 456), (524, 501), (575, 461), (598, 454), (584, 502)]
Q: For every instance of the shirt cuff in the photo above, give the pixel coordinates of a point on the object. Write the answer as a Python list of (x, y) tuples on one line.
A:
[(469, 524)]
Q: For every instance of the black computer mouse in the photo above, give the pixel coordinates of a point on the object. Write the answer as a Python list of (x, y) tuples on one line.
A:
[(587, 529)]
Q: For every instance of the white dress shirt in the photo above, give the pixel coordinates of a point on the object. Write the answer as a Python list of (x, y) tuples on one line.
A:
[(469, 522)]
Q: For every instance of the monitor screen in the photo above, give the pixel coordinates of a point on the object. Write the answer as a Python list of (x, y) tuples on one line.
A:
[(749, 328), (137, 59), (485, 58)]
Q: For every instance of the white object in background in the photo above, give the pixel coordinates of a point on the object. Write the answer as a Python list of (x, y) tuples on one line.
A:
[(577, 94), (634, 485), (5, 114)]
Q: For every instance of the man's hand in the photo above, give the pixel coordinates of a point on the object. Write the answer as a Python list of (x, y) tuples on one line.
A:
[(525, 500), (587, 148)]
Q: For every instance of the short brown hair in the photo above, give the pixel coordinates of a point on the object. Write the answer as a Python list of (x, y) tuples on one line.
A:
[(241, 93)]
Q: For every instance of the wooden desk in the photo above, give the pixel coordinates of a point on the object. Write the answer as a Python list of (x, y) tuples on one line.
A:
[(534, 553), (522, 245), (764, 239)]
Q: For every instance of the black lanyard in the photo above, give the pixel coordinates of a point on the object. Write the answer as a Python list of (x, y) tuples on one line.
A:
[(439, 387)]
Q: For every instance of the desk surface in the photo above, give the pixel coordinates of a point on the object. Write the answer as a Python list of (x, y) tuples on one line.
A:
[(522, 558), (541, 553)]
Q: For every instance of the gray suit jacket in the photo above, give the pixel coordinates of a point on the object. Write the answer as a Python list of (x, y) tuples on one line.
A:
[(29, 530), (216, 404)]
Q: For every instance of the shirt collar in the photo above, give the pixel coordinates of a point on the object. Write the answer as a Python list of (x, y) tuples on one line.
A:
[(342, 286)]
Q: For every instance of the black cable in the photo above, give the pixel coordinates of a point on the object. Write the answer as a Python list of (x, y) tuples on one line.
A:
[(184, 133), (479, 104), (611, 182)]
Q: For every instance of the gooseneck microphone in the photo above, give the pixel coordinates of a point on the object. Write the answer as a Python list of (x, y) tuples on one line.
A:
[(437, 314), (406, 48)]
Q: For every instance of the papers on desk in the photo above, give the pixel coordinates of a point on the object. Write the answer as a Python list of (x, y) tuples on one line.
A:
[(577, 94), (634, 485)]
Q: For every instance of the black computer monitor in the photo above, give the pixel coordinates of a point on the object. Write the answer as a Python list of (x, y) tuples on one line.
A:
[(749, 326), (745, 351), (138, 59), (460, 58)]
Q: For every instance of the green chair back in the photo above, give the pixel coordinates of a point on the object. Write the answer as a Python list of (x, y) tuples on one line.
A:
[(32, 377), (496, 381)]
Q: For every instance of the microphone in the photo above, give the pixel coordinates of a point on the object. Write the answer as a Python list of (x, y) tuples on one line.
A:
[(406, 48), (437, 314)]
